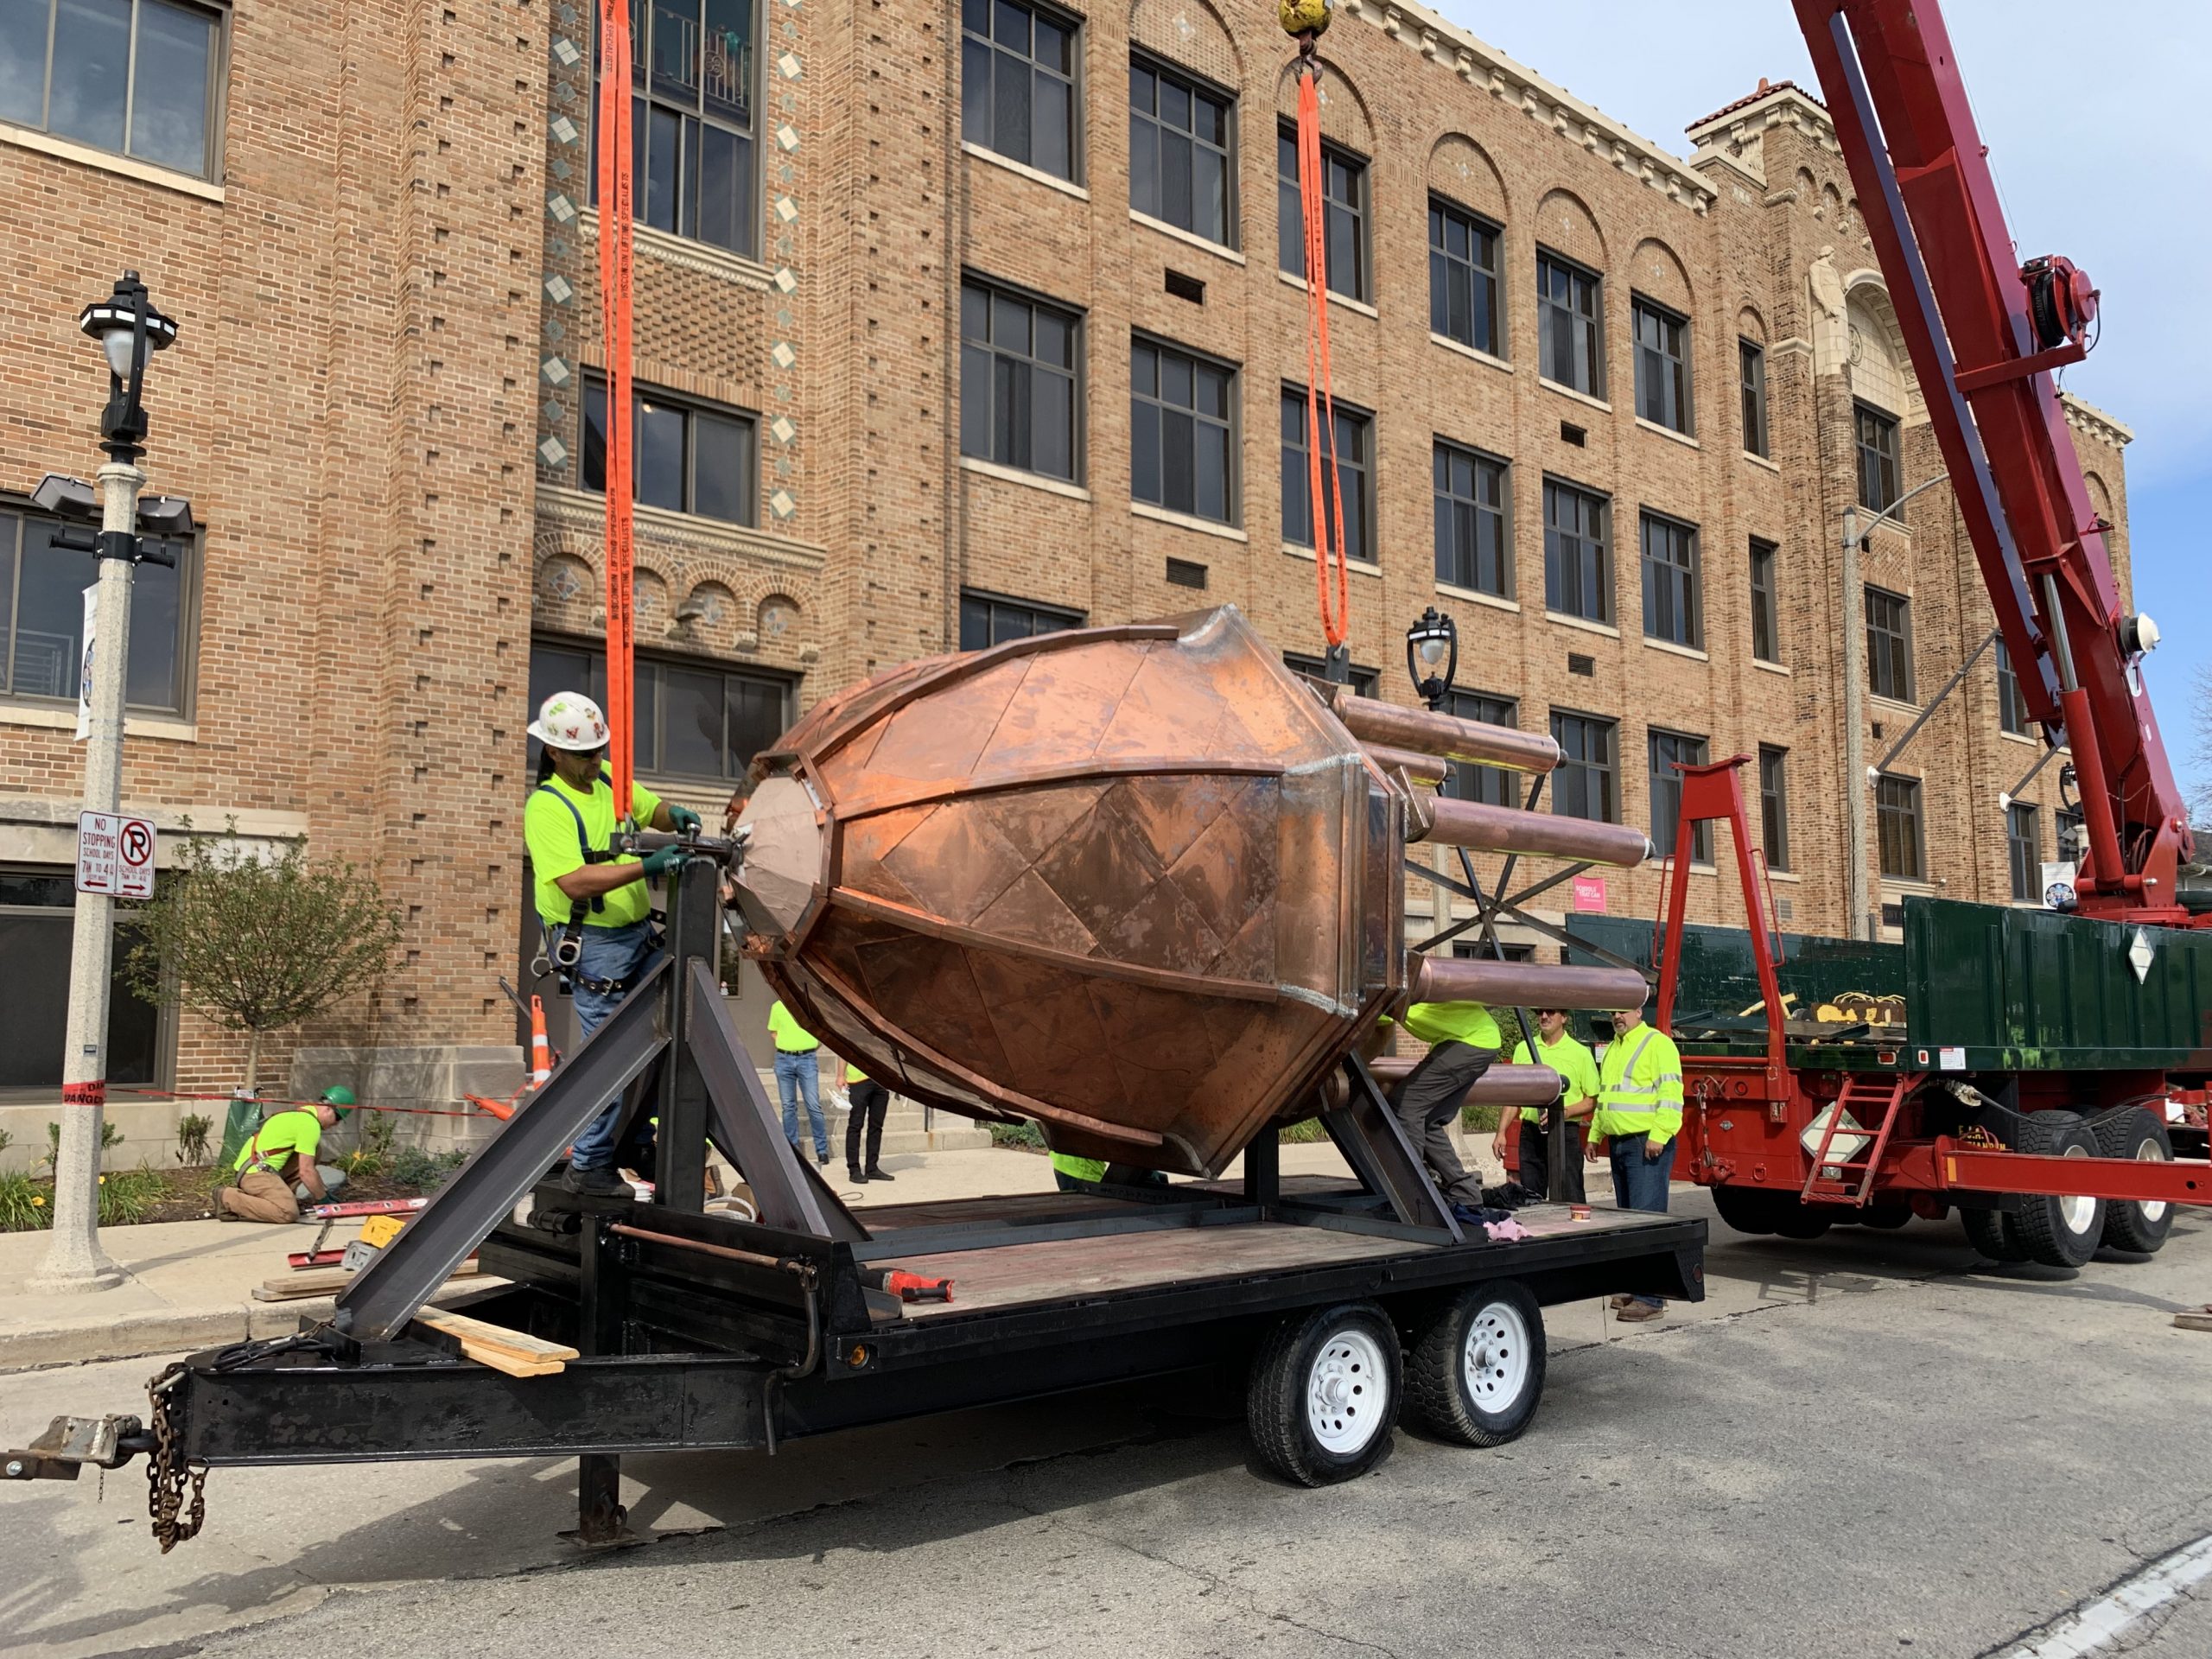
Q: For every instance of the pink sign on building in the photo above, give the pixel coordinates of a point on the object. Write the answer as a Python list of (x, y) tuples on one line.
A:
[(1590, 894)]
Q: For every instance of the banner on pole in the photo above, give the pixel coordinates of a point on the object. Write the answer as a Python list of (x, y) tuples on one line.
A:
[(85, 666)]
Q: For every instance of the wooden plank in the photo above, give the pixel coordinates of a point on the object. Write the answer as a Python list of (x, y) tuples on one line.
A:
[(325, 1282), (513, 1365), (484, 1333)]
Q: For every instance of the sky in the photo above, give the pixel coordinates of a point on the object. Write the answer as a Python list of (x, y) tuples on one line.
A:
[(2093, 118)]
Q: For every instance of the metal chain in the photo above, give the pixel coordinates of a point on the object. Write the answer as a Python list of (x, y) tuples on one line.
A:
[(168, 1475)]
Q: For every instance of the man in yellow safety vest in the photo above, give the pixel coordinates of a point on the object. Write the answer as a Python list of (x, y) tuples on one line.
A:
[(1640, 1112), (1578, 1071), (1464, 1042)]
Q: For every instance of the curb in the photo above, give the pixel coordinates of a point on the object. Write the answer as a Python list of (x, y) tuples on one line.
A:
[(78, 1342)]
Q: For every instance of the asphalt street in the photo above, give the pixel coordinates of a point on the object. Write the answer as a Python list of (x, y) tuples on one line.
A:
[(1865, 1446)]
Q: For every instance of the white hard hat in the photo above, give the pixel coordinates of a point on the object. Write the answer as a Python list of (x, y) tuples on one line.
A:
[(567, 719)]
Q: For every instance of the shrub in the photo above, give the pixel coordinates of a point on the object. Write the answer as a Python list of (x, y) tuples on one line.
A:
[(192, 1132), (425, 1171), (128, 1195), (1024, 1134), (1478, 1120), (1304, 1133), (372, 1153), (23, 1207), (111, 1138)]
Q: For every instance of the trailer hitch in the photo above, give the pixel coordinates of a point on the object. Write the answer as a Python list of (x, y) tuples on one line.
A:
[(70, 1443)]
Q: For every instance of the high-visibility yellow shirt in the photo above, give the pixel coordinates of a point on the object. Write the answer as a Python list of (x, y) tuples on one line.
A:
[(549, 829), (1452, 1022), (279, 1138), (1570, 1060), (1083, 1169), (790, 1037), (1640, 1087), (854, 1074)]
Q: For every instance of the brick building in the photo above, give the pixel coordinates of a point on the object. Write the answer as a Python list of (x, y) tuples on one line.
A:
[(952, 323)]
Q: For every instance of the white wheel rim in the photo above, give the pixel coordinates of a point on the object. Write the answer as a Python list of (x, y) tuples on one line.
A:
[(1347, 1392), (1495, 1357), (2077, 1214), (2150, 1152)]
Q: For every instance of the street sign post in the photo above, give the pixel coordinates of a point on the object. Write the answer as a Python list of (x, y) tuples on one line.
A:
[(115, 855)]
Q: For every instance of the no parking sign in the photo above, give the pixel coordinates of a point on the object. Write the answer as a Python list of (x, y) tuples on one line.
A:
[(115, 855)]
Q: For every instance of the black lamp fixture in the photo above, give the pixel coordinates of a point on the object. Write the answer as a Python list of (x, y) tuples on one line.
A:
[(1433, 656), (130, 330)]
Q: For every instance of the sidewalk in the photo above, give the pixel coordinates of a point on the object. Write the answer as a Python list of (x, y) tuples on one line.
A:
[(191, 1283)]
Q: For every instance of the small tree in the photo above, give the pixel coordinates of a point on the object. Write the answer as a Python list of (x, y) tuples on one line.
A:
[(258, 944)]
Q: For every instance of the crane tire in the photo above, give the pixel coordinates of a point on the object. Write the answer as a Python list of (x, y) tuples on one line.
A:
[(2060, 1232), (2135, 1225), (1993, 1234)]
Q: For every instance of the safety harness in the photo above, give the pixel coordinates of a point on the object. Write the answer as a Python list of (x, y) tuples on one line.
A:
[(564, 947)]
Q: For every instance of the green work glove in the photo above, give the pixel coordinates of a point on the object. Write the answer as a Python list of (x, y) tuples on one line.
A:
[(659, 863), (682, 817)]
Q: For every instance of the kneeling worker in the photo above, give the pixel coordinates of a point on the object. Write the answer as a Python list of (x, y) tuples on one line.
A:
[(1578, 1071), (276, 1169), (1640, 1112), (594, 906), (1463, 1043)]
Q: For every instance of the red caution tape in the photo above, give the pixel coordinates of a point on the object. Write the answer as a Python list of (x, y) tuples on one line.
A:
[(85, 1094)]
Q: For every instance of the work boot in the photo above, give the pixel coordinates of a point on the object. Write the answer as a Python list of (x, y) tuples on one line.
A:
[(1637, 1312), (597, 1181), (855, 1175), (876, 1173), (822, 1158), (1616, 1303)]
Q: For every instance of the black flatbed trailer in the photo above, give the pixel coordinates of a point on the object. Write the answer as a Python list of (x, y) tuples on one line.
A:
[(667, 1326)]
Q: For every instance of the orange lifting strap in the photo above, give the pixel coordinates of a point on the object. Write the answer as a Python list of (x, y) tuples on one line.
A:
[(1320, 400), (614, 273)]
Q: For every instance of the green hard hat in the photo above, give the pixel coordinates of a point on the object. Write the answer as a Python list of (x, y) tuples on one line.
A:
[(340, 1096)]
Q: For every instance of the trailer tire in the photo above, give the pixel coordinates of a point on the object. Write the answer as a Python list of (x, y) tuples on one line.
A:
[(1993, 1234), (2136, 1225), (1476, 1370), (1324, 1394), (1885, 1215), (1746, 1209), (2060, 1232)]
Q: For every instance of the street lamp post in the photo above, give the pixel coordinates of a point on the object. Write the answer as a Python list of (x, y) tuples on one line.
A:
[(129, 330)]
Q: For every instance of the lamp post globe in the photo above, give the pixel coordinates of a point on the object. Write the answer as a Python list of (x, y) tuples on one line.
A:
[(1433, 656), (128, 329)]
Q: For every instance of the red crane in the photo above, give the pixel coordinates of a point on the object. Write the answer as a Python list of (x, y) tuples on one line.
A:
[(1985, 331)]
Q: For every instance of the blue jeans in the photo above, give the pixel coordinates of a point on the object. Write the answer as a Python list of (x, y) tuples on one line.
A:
[(797, 1075), (1640, 1183), (609, 953)]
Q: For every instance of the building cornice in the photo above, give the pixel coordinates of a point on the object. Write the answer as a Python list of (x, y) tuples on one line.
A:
[(582, 509), (2087, 418), (1483, 67), (1733, 138)]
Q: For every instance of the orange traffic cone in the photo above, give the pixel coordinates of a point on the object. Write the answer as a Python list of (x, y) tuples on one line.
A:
[(541, 1052)]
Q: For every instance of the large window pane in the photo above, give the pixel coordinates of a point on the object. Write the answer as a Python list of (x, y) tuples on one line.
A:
[(168, 99), (987, 620), (91, 71), (1583, 785), (1353, 480), (1662, 369), (1179, 429), (1670, 581), (36, 937), (1344, 180), (693, 157), (22, 60), (1774, 807), (691, 723), (1570, 338), (44, 624), (1463, 278), (1668, 752), (1578, 573), (721, 453), (1017, 85), (1493, 784), (659, 461), (1752, 360), (1472, 549)]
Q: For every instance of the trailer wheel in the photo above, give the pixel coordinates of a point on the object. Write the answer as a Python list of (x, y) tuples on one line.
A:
[(2060, 1232), (1748, 1210), (1993, 1233), (1794, 1218), (2138, 1226), (1885, 1216), (1324, 1394), (1478, 1370)]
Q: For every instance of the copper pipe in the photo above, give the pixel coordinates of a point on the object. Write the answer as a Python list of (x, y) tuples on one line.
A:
[(1421, 768), (1525, 984), (1372, 720), (1501, 1085), (1549, 834), (751, 1258)]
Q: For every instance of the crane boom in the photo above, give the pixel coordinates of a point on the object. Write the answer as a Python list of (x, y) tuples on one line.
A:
[(1984, 334)]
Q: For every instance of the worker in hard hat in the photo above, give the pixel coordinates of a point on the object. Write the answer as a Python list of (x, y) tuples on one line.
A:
[(1640, 1112), (277, 1171), (594, 905), (1463, 1043)]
